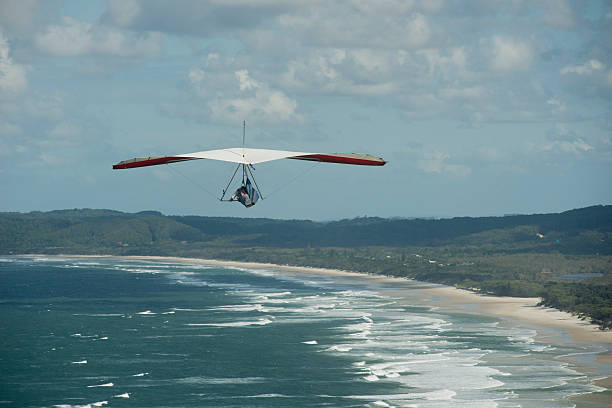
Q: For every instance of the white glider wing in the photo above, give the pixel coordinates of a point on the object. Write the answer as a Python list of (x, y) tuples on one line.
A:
[(253, 156)]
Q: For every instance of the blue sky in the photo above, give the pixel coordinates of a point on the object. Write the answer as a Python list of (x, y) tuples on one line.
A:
[(479, 107)]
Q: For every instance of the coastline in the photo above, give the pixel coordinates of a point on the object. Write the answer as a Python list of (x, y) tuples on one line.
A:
[(521, 311)]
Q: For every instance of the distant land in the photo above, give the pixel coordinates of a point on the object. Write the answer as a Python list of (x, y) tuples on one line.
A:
[(564, 258)]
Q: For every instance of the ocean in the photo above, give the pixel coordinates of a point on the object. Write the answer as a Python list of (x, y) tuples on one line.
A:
[(90, 332)]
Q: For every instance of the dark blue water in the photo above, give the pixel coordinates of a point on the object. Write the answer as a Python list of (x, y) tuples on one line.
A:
[(117, 332)]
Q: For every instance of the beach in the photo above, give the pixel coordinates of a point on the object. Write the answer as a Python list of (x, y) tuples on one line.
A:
[(523, 310), (553, 326)]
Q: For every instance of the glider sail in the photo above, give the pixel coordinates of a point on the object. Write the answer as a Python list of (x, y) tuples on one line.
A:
[(248, 194), (253, 156)]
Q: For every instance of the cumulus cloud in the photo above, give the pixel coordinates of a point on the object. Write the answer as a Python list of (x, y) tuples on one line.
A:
[(563, 140), (507, 54), (77, 38), (436, 162), (238, 94), (451, 63), (585, 69), (425, 58), (12, 75), (592, 78), (360, 24), (361, 72), (574, 146)]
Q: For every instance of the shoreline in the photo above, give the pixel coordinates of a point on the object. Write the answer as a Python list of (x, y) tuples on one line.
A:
[(522, 311)]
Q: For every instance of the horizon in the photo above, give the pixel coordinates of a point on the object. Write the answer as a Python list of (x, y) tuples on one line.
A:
[(480, 108), (407, 218)]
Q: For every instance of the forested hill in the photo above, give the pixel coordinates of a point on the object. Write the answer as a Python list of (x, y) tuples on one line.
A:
[(565, 258), (580, 231)]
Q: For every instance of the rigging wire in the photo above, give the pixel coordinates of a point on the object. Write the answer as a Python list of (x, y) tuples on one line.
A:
[(283, 186), (191, 180), (274, 191), (254, 181), (229, 183)]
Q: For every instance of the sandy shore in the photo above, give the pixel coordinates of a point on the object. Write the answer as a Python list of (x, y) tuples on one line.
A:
[(523, 311)]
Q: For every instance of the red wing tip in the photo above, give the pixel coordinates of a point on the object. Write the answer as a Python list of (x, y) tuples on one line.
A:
[(344, 158), (149, 161)]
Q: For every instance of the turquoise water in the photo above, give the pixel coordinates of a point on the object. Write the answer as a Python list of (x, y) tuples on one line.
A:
[(116, 332)]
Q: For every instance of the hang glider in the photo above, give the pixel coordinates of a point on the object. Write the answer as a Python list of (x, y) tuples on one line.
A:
[(250, 156), (246, 158)]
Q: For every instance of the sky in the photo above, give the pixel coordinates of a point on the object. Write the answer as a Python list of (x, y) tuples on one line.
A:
[(480, 107)]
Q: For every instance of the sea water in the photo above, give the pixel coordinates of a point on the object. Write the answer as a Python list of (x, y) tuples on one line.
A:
[(88, 332)]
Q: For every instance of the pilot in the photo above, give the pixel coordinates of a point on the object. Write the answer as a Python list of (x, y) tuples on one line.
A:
[(241, 195)]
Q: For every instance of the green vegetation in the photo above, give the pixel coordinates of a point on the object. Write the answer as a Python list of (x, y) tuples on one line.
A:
[(565, 259)]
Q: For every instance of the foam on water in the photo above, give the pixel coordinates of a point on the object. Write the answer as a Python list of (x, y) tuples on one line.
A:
[(90, 405), (217, 380), (242, 308), (110, 384), (99, 314), (380, 335), (392, 352), (258, 322), (340, 348)]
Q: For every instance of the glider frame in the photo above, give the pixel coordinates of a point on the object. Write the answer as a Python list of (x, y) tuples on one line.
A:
[(246, 171)]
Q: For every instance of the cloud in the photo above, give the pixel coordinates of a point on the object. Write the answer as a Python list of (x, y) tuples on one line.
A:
[(575, 147), (193, 17), (472, 93), (557, 105), (421, 57), (589, 79), (13, 79), (507, 54), (227, 97), (585, 69), (565, 141), (63, 134), (123, 12), (451, 65), (360, 25), (559, 13), (77, 38), (361, 72), (436, 162)]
